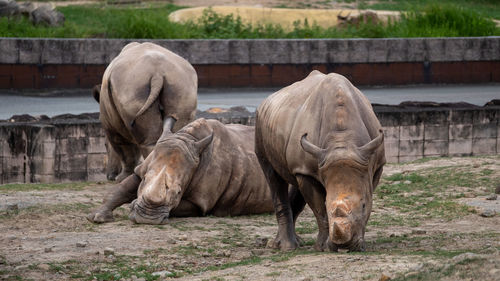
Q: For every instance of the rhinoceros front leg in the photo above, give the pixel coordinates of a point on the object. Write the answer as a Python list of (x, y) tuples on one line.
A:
[(314, 194), (286, 239), (124, 192)]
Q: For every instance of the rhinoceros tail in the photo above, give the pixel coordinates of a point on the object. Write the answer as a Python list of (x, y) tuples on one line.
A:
[(156, 86)]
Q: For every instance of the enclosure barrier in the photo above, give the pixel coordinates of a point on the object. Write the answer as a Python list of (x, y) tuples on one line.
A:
[(37, 63), (61, 150)]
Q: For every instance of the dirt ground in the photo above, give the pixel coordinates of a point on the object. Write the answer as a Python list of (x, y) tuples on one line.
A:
[(45, 236)]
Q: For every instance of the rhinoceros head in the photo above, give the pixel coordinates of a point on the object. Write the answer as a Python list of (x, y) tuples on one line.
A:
[(346, 172), (167, 172)]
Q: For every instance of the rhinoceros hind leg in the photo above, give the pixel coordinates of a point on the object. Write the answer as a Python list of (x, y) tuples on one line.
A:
[(314, 194)]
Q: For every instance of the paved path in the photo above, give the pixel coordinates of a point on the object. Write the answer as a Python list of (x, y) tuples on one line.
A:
[(80, 101)]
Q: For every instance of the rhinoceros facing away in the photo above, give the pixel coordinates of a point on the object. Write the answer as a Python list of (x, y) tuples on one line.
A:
[(204, 168), (322, 136), (144, 83)]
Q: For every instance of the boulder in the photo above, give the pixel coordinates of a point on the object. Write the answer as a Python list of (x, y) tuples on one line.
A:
[(45, 14), (8, 8)]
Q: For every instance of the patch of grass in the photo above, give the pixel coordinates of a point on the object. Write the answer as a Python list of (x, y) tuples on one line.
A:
[(45, 210), (306, 227), (42, 186), (152, 22)]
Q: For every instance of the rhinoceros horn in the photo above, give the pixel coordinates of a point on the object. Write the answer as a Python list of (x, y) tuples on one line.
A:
[(367, 150), (155, 86), (202, 144), (168, 124), (311, 148)]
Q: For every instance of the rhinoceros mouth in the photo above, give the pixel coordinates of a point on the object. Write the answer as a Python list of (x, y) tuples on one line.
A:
[(355, 245), (140, 212)]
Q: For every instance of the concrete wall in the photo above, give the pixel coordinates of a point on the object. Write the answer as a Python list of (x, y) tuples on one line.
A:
[(56, 63), (59, 151)]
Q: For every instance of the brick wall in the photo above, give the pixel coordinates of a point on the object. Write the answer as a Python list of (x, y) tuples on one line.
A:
[(74, 150)]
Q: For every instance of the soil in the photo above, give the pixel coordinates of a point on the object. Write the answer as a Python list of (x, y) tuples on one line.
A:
[(45, 236)]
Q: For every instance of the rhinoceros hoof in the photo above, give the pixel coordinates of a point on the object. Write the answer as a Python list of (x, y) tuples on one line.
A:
[(100, 216), (285, 244)]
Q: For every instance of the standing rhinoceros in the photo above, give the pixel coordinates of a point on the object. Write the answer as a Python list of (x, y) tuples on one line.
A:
[(204, 168), (322, 136), (141, 85)]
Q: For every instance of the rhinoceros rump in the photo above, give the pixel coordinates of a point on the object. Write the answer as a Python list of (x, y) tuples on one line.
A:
[(322, 136), (204, 168), (144, 83)]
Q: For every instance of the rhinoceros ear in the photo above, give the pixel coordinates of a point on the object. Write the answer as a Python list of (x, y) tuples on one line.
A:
[(168, 124), (311, 148), (368, 149), (203, 143)]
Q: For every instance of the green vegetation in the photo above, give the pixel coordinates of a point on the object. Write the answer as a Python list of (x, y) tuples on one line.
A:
[(42, 186), (152, 22)]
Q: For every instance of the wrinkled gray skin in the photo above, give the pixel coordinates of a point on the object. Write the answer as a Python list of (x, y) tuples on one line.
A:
[(144, 83), (321, 136), (204, 168)]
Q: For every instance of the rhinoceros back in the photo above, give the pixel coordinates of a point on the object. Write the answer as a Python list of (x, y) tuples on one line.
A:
[(317, 106)]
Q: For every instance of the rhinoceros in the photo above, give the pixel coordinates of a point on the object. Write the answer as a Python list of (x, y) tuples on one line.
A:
[(204, 168), (321, 136), (144, 83)]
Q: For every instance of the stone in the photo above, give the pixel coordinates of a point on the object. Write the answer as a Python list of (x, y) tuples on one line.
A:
[(171, 241), (488, 213), (261, 242), (48, 249), (491, 197), (11, 237), (8, 8), (26, 8), (258, 252), (497, 190), (183, 237), (44, 266), (46, 15), (465, 256), (162, 274), (109, 251), (81, 244), (12, 207), (384, 277), (407, 182), (418, 231)]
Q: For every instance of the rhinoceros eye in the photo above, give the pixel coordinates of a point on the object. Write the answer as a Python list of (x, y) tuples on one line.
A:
[(364, 205)]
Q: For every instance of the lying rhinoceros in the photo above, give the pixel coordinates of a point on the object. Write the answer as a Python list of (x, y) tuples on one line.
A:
[(144, 83), (322, 136), (204, 168)]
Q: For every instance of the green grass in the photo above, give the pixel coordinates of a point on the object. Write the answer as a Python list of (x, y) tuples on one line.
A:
[(42, 186), (151, 22)]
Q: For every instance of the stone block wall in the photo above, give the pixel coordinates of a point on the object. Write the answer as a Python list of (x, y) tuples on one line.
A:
[(36, 63), (74, 150)]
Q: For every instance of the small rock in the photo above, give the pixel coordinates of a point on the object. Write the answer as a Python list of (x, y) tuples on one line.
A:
[(488, 213), (44, 266), (396, 182), (183, 237), (21, 267), (306, 279), (109, 251), (47, 249), (141, 279), (497, 190), (384, 277), (12, 207), (465, 256), (407, 182), (162, 274), (393, 235), (239, 244), (469, 195), (494, 272), (418, 231), (226, 253), (417, 267), (205, 254), (171, 241), (81, 244), (492, 197), (261, 242), (258, 252), (11, 237)]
